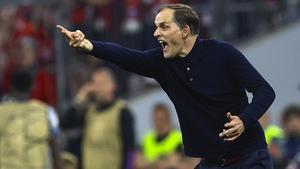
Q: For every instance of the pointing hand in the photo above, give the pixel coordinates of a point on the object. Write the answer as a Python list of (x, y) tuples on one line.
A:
[(76, 39)]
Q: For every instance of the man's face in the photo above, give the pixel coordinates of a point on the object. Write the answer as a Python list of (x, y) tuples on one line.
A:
[(292, 126), (168, 33), (161, 120), (103, 84)]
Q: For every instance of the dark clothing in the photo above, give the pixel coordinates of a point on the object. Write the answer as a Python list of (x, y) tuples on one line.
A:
[(209, 82), (75, 119), (291, 146), (258, 159)]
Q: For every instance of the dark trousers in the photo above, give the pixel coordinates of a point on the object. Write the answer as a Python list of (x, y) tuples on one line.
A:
[(258, 159)]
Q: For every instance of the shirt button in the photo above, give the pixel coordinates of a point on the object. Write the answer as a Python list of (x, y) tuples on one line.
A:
[(188, 68), (191, 79)]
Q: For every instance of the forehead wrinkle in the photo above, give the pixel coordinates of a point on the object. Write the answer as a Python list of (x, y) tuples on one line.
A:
[(164, 16)]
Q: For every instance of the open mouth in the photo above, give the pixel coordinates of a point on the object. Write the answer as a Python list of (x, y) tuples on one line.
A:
[(164, 44)]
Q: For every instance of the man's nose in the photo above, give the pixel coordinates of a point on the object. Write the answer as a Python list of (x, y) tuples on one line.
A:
[(156, 33)]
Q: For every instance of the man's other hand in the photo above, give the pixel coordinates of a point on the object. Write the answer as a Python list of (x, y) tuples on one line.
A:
[(233, 129)]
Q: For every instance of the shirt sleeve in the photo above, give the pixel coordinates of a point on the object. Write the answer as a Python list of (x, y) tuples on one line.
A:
[(54, 122), (249, 78), (128, 138), (145, 63)]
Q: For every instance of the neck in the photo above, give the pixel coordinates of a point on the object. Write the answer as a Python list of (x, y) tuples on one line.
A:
[(163, 131), (20, 96), (188, 45)]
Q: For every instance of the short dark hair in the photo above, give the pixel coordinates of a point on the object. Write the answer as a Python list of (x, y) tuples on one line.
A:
[(290, 111), (161, 106), (106, 69), (183, 15), (21, 81)]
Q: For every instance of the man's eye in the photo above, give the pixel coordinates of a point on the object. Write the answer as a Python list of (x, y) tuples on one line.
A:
[(164, 27)]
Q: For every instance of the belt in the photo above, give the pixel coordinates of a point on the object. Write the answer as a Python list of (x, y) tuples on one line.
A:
[(220, 161)]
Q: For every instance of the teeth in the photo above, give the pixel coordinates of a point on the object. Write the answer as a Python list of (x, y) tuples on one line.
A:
[(163, 43)]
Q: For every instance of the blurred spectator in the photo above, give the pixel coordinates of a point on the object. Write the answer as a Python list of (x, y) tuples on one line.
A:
[(162, 147), (28, 129), (272, 13), (274, 137), (35, 51), (272, 131), (100, 18), (69, 161), (292, 9), (44, 82), (131, 24), (108, 139), (6, 21), (291, 126), (245, 17)]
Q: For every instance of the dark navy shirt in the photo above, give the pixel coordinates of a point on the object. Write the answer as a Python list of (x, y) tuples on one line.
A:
[(206, 84)]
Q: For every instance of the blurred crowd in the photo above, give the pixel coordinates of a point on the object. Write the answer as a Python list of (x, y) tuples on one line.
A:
[(26, 43), (284, 139), (65, 80), (28, 38)]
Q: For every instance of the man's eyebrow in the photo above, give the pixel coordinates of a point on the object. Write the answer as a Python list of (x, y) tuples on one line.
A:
[(162, 23)]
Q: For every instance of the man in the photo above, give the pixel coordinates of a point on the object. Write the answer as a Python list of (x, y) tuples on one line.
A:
[(108, 134), (274, 138), (161, 147), (206, 81), (291, 125), (273, 133), (28, 129)]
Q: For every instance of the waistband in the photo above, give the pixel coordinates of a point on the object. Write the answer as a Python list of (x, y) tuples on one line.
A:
[(220, 161), (228, 160)]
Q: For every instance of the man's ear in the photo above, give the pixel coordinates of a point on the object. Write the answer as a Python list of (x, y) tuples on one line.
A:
[(185, 31)]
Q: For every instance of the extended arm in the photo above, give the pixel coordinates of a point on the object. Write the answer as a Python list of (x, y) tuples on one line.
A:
[(146, 63)]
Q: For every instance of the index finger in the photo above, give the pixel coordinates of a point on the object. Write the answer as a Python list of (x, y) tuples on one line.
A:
[(61, 28), (228, 115), (64, 31)]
